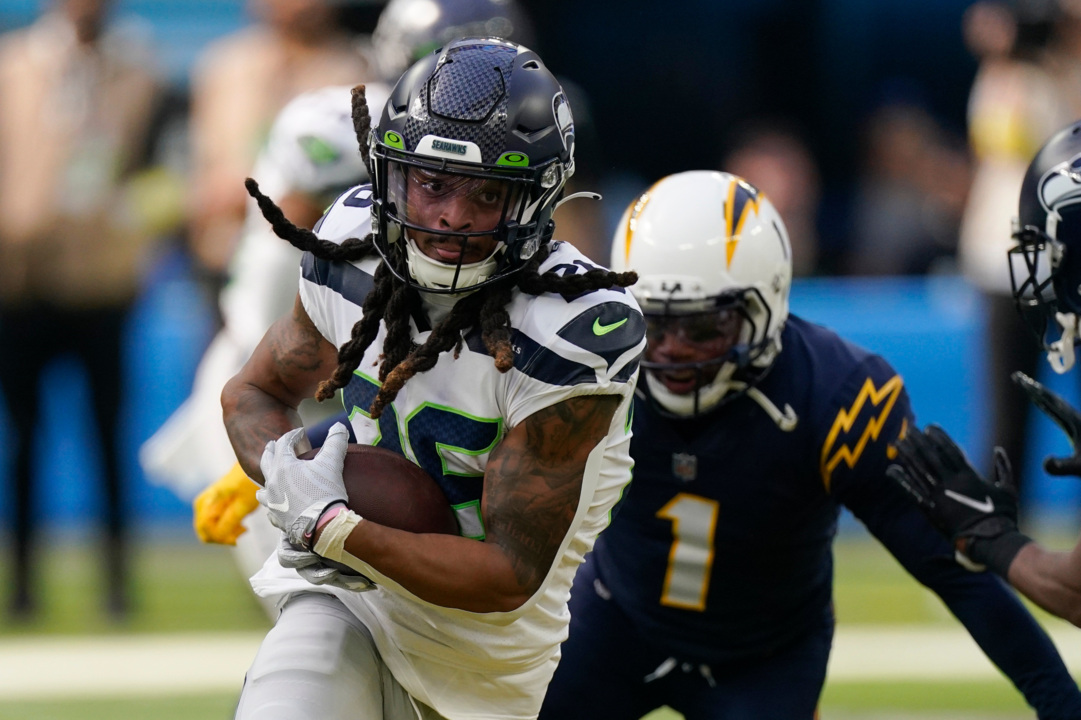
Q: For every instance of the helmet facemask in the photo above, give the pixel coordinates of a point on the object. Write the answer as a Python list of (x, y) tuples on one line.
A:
[(1041, 268), (696, 350), (1031, 280), (481, 125)]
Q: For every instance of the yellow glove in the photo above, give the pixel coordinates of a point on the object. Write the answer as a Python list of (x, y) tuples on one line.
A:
[(220, 508)]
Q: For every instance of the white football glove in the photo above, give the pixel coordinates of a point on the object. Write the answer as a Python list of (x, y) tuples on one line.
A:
[(298, 491), (315, 569)]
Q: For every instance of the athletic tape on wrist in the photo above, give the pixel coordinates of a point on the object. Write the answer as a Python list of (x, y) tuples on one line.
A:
[(332, 539)]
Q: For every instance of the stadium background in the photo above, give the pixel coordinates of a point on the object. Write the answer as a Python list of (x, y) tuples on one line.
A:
[(666, 83)]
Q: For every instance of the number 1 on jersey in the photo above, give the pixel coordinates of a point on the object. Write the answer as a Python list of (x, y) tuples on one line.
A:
[(694, 521)]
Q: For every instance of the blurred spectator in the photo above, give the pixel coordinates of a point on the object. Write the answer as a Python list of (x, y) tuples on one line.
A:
[(1014, 106), (239, 84), (77, 97), (911, 194), (770, 155)]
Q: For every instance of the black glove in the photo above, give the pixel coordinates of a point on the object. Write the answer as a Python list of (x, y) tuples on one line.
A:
[(980, 517), (1064, 416)]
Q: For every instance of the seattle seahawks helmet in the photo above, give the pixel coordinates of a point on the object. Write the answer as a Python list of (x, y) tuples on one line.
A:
[(481, 117), (714, 267), (410, 29), (1045, 262)]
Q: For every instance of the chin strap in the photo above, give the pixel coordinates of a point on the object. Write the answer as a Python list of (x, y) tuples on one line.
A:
[(1061, 352), (786, 421), (572, 196)]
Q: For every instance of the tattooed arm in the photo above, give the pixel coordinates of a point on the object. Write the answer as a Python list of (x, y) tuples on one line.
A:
[(260, 402), (532, 486)]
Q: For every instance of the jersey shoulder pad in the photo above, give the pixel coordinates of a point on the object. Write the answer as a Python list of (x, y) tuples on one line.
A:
[(350, 216), (576, 339)]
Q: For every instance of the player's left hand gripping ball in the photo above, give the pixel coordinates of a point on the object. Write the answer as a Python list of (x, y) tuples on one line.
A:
[(298, 491), (220, 509)]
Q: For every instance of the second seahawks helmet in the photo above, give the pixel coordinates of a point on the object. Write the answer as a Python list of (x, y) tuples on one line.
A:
[(410, 29), (714, 263), (1045, 263), (480, 113)]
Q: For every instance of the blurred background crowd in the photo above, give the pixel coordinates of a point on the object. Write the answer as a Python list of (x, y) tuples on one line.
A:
[(891, 135)]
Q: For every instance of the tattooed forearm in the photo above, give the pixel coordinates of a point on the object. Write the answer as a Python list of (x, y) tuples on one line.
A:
[(252, 420), (260, 403), (297, 348), (534, 480)]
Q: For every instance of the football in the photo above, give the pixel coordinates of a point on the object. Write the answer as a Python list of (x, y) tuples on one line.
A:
[(389, 489)]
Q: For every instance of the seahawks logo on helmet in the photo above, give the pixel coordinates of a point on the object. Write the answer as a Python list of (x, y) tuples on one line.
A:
[(561, 110), (1062, 185)]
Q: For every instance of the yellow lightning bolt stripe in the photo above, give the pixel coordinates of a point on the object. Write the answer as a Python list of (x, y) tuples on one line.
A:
[(885, 398), (891, 449), (730, 220), (632, 218)]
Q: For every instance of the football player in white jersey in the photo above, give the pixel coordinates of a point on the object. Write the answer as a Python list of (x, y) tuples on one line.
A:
[(309, 158), (470, 341)]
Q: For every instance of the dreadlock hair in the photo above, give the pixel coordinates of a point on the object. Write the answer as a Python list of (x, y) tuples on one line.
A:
[(393, 301), (362, 124)]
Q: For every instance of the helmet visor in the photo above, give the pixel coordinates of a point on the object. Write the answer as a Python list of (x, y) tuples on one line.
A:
[(686, 349), (444, 202)]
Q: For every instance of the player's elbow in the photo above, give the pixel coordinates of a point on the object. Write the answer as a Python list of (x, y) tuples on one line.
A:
[(506, 603), (229, 394), (1073, 614)]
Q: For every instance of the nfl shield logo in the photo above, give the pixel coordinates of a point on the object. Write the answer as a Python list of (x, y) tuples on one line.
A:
[(684, 466)]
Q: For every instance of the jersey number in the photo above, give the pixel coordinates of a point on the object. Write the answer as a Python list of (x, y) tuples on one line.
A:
[(694, 521), (434, 434)]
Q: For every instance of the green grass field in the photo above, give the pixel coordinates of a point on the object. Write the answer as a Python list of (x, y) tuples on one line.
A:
[(185, 587)]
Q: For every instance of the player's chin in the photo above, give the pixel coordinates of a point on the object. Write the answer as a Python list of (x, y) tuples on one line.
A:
[(679, 384)]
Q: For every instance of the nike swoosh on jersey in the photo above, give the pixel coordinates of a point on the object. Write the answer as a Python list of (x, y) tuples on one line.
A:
[(599, 329), (283, 506), (986, 506)]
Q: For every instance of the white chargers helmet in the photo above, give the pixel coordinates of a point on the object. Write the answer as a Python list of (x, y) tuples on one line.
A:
[(714, 270)]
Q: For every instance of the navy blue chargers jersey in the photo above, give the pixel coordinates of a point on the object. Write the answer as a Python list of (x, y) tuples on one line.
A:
[(721, 550), (723, 543)]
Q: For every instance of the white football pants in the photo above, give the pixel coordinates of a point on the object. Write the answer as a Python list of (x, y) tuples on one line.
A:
[(319, 662)]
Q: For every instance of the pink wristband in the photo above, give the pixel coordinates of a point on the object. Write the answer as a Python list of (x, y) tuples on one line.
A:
[(328, 515)]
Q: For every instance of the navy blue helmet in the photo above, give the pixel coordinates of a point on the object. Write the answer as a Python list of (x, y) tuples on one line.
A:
[(1045, 263), (480, 113)]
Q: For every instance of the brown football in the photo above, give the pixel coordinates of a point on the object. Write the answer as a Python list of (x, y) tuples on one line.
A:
[(389, 489)]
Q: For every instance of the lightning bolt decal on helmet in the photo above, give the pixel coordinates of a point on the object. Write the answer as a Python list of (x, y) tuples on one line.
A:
[(708, 245)]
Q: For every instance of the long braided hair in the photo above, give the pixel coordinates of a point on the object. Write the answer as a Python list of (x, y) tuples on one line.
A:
[(393, 301)]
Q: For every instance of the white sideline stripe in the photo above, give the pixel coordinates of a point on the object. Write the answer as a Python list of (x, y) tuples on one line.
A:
[(42, 668), (927, 654)]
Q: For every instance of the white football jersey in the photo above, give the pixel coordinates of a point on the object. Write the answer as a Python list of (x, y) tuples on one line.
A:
[(448, 420)]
